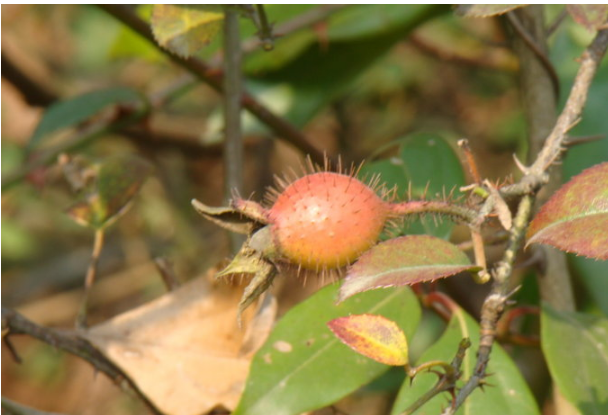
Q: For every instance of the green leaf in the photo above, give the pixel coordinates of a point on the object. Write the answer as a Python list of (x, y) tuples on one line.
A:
[(76, 110), (360, 21), (591, 16), (185, 29), (302, 367), (285, 50), (576, 348), (333, 63), (429, 163), (373, 336), (118, 180), (484, 10), (281, 78), (508, 394), (593, 275), (128, 44), (575, 218), (404, 261)]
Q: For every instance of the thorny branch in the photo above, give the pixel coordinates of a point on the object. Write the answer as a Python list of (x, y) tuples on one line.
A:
[(446, 381), (535, 176), (14, 323)]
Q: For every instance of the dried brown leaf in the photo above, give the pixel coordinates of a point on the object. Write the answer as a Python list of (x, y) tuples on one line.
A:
[(184, 350)]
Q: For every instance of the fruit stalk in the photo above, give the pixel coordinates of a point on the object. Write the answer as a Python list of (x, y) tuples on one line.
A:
[(433, 207)]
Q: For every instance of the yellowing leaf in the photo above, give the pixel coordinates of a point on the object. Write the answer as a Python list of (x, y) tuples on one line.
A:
[(185, 29), (373, 336), (184, 350), (302, 367), (575, 218)]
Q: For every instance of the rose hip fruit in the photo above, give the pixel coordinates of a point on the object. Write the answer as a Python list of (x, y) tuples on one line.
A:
[(326, 220)]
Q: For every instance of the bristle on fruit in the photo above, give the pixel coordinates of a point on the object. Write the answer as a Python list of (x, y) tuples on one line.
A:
[(325, 220)]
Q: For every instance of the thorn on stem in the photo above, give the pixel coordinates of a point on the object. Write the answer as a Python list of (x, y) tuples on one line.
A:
[(520, 165)]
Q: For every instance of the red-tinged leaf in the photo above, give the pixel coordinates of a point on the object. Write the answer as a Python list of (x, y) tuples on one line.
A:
[(484, 10), (591, 16), (575, 219), (404, 261), (372, 336)]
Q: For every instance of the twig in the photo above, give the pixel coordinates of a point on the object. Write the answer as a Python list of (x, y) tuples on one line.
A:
[(589, 62), (557, 22), (444, 54), (482, 276), (494, 304), (214, 79), (257, 14), (69, 341), (550, 152), (446, 381), (440, 303), (186, 144), (81, 318), (233, 144), (165, 269), (503, 327), (302, 21), (542, 56), (265, 29), (233, 90), (33, 92), (11, 348), (493, 239)]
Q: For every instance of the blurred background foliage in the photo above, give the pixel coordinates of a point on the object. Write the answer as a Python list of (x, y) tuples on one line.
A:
[(361, 82)]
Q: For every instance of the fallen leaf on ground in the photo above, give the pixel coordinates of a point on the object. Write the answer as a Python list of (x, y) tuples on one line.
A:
[(184, 350)]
